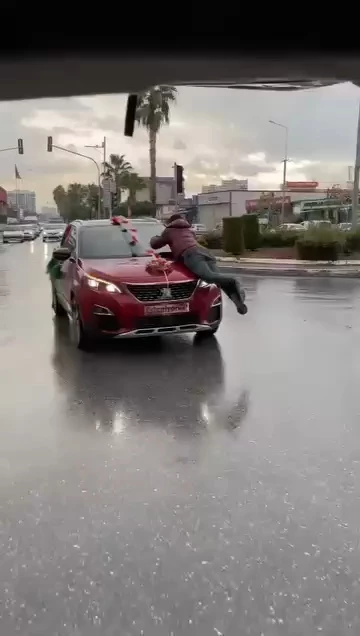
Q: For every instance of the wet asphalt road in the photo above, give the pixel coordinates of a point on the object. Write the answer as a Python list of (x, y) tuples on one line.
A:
[(172, 488)]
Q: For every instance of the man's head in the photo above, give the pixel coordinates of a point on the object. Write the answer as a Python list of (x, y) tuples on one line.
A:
[(174, 217)]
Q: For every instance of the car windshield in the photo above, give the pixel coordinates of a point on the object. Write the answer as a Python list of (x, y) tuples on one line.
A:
[(147, 230), (107, 241), (54, 226)]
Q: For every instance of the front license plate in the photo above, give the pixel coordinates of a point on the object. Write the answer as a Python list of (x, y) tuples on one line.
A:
[(165, 309)]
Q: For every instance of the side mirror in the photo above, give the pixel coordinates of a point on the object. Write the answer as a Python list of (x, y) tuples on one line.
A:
[(61, 254)]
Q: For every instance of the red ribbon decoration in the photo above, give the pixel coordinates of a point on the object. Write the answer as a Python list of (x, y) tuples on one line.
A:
[(118, 220), (159, 265)]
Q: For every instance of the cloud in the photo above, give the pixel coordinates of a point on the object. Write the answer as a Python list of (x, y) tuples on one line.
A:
[(214, 133)]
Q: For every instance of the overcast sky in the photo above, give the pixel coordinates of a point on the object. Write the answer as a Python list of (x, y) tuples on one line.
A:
[(214, 133)]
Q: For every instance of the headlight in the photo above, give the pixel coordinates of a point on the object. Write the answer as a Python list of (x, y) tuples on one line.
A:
[(203, 283), (102, 285)]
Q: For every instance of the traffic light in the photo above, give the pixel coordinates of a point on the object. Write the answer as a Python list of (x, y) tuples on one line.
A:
[(50, 145), (114, 200), (20, 147), (179, 179)]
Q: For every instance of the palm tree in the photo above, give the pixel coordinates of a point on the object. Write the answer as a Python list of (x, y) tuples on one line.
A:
[(92, 199), (133, 183), (153, 111), (117, 169)]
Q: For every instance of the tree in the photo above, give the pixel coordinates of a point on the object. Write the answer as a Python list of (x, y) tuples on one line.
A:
[(118, 169), (92, 199), (78, 201), (153, 111), (60, 198), (133, 183)]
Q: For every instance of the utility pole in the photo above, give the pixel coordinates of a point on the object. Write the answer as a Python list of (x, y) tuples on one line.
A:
[(355, 197), (102, 146), (285, 162), (175, 189)]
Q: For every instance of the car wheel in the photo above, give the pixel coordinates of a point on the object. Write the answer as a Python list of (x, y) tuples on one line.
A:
[(58, 309), (79, 336), (5, 241)]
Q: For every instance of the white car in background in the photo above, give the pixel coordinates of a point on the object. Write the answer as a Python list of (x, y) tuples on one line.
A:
[(13, 234), (307, 225), (291, 227), (29, 232), (199, 228), (53, 232)]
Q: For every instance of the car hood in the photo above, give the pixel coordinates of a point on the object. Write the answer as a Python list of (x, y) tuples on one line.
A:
[(133, 270)]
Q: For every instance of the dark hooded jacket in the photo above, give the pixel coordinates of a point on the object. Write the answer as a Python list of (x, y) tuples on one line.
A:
[(178, 235)]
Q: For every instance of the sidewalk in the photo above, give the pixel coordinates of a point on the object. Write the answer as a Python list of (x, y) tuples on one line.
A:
[(291, 267)]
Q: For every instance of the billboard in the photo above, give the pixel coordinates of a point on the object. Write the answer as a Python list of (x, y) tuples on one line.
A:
[(266, 203), (302, 185)]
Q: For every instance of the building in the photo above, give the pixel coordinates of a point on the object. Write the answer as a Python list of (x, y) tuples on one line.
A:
[(23, 200), (3, 204), (215, 205), (48, 212), (226, 185), (165, 191)]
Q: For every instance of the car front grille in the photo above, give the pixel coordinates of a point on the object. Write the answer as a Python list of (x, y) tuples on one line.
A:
[(151, 293)]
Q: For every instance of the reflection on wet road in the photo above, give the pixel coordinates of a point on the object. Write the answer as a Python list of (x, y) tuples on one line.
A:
[(176, 487)]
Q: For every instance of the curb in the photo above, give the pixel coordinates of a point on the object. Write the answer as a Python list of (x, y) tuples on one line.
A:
[(291, 272)]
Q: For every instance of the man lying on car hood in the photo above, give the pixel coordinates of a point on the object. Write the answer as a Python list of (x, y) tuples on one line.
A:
[(179, 236)]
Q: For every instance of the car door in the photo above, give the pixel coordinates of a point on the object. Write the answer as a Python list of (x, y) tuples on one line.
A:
[(64, 285)]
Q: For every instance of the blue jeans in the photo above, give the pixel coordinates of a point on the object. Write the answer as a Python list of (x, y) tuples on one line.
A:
[(203, 264)]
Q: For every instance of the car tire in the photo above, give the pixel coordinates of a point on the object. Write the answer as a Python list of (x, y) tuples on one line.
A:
[(80, 337), (5, 241), (58, 309)]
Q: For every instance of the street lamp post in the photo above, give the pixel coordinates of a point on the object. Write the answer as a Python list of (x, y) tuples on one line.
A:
[(79, 154), (284, 161)]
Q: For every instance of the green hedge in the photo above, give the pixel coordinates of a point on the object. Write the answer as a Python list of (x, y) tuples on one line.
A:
[(320, 245), (352, 241), (212, 240), (233, 235), (251, 231), (278, 239)]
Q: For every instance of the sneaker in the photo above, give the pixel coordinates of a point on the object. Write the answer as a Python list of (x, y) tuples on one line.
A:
[(242, 309), (239, 303)]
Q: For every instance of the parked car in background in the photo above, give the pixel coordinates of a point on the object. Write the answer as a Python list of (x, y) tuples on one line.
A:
[(345, 227), (106, 288), (307, 225), (199, 229), (29, 232), (13, 234), (53, 232), (290, 227)]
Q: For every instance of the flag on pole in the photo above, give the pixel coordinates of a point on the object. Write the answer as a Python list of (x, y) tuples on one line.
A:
[(17, 174)]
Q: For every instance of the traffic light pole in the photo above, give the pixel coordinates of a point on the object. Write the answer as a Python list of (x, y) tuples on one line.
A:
[(79, 154)]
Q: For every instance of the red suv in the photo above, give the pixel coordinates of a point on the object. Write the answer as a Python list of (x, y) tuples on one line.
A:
[(106, 288)]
